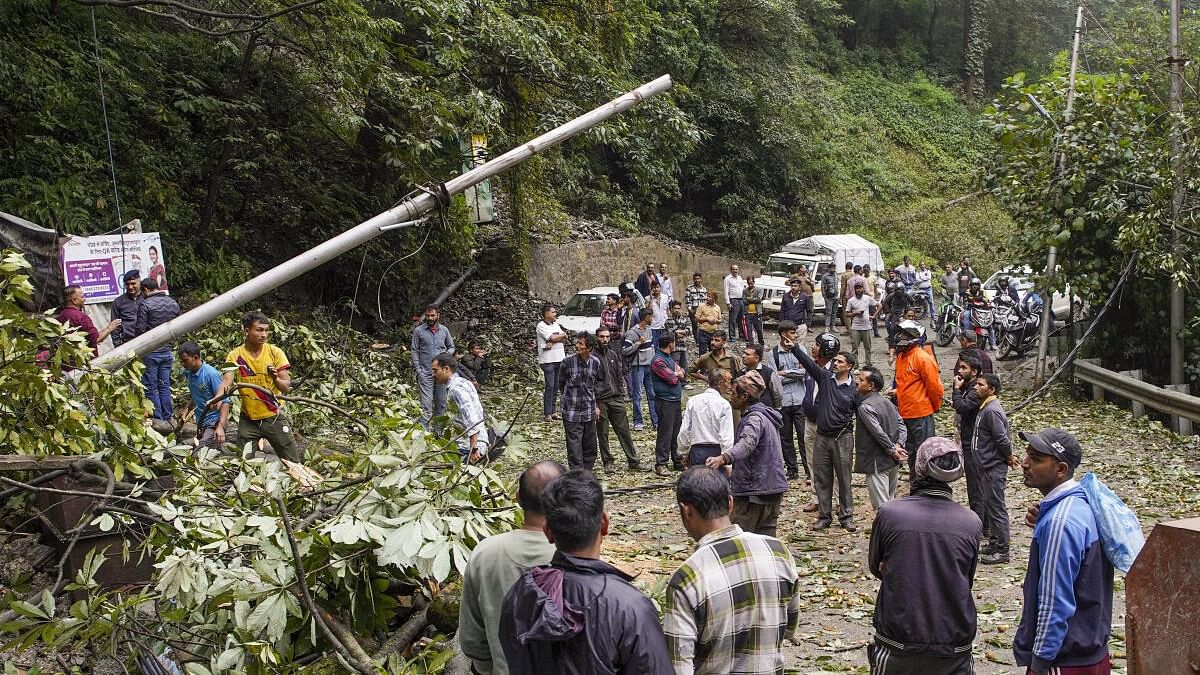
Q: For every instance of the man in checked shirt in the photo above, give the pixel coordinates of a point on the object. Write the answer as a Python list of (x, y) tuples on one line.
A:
[(578, 377), (731, 604)]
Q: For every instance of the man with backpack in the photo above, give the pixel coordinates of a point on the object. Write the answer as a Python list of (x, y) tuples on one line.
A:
[(1067, 614)]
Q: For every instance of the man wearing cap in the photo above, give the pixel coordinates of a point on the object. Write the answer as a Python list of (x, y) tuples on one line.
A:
[(758, 479), (125, 307), (1067, 614), (924, 552)]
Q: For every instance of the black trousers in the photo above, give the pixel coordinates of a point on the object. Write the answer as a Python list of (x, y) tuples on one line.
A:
[(581, 444), (612, 412), (670, 419), (887, 661), (699, 452), (793, 425)]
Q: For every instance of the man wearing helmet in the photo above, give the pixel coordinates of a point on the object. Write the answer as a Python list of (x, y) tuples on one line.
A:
[(919, 389), (833, 445), (1006, 288), (973, 294)]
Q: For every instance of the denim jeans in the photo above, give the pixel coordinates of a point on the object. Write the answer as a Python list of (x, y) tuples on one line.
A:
[(157, 381), (831, 306), (550, 390), (641, 382), (736, 308)]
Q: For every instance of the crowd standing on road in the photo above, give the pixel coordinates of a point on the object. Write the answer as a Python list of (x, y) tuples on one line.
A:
[(541, 599)]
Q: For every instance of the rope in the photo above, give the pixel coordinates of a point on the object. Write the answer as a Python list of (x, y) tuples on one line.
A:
[(112, 164), (1062, 367)]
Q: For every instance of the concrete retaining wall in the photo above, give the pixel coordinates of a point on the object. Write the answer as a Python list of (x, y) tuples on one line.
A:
[(560, 270)]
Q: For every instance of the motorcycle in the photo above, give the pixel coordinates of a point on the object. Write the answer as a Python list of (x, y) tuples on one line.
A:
[(947, 321), (1017, 328), (916, 300)]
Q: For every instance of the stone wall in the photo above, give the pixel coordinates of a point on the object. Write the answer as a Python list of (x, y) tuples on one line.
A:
[(558, 271)]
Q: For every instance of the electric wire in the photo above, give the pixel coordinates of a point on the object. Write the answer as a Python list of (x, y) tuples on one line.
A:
[(112, 164)]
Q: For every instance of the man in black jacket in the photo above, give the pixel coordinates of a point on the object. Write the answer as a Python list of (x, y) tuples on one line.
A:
[(966, 409), (155, 309), (925, 612), (579, 614), (833, 445), (610, 397)]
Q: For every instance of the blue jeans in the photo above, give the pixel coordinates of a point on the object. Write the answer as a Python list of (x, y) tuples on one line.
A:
[(550, 390), (157, 381), (641, 380)]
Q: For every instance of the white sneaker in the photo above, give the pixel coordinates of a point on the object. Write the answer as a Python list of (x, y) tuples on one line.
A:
[(638, 427)]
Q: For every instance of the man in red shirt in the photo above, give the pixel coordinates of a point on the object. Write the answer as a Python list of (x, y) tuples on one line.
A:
[(72, 315)]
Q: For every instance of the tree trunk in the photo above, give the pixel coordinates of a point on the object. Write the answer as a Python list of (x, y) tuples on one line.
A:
[(975, 47)]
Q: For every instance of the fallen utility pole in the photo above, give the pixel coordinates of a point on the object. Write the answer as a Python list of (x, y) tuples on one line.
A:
[(408, 210), (1039, 373)]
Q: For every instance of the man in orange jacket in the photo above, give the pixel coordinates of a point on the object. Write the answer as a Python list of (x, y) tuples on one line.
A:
[(919, 389)]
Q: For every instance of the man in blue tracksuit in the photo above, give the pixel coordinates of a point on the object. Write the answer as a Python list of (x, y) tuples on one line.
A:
[(1067, 614)]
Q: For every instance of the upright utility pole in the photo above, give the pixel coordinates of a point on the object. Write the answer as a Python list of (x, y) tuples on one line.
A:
[(1039, 373), (1177, 169)]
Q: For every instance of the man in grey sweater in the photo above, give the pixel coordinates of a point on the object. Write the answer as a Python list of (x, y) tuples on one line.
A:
[(879, 436), (429, 339), (993, 449), (496, 564)]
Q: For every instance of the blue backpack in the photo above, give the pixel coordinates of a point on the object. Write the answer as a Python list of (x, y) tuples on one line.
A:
[(1120, 533)]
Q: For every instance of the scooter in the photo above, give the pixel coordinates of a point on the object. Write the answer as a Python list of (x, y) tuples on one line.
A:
[(982, 319)]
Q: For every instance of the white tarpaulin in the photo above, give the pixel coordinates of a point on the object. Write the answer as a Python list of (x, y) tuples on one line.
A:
[(97, 263)]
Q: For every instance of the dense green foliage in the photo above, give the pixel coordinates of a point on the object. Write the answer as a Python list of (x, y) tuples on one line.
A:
[(243, 148), (1111, 194)]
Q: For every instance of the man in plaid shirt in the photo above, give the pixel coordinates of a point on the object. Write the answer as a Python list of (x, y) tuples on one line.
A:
[(578, 377), (694, 296), (731, 604)]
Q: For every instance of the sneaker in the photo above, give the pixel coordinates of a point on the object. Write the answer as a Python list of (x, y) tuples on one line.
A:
[(638, 426), (661, 470), (994, 558), (822, 524)]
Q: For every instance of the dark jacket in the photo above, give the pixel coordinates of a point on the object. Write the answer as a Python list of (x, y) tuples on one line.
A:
[(990, 442), (612, 385), (667, 385), (580, 616), (154, 311), (772, 396), (1067, 614), (125, 308), (877, 429), (758, 454), (966, 404), (794, 309), (833, 405), (924, 549)]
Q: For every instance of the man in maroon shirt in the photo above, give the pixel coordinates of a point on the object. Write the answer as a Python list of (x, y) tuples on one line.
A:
[(72, 315)]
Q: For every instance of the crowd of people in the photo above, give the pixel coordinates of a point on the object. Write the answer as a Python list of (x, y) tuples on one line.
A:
[(540, 599)]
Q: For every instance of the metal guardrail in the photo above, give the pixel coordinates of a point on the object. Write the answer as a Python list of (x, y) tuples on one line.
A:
[(1179, 404)]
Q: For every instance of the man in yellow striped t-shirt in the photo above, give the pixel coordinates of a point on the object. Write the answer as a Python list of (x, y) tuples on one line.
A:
[(267, 367)]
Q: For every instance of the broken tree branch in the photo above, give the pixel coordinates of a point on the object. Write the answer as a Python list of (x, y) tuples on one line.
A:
[(341, 638)]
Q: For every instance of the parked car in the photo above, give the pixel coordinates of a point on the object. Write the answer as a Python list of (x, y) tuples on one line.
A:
[(1018, 277), (582, 311)]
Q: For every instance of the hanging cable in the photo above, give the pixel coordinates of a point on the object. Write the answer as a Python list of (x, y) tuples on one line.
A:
[(442, 196), (112, 164)]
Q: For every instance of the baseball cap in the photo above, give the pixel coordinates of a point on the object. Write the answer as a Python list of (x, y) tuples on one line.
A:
[(132, 274), (1056, 443)]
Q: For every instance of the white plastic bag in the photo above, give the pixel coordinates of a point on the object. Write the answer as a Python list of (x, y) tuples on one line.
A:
[(1120, 533)]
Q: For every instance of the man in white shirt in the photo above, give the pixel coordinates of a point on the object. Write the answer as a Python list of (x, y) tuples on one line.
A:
[(735, 286), (660, 304), (550, 337), (707, 427), (664, 280), (470, 422), (925, 286)]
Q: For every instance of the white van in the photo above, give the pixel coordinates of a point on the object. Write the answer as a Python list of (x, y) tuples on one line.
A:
[(817, 253)]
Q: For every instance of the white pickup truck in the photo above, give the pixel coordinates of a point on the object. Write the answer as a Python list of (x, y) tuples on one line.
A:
[(818, 253)]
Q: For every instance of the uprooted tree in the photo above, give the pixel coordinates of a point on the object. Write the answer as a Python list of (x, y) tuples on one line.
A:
[(260, 566)]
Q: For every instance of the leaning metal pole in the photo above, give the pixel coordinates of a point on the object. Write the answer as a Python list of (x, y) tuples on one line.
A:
[(407, 210)]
